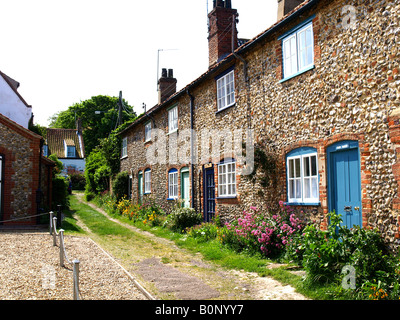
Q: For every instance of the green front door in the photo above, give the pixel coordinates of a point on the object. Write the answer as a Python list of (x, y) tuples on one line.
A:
[(140, 186), (185, 188)]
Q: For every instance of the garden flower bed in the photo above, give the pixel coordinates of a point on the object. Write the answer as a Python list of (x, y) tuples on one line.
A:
[(343, 263)]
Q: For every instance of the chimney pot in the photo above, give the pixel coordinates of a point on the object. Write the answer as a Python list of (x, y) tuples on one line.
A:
[(222, 34), (285, 6), (166, 85)]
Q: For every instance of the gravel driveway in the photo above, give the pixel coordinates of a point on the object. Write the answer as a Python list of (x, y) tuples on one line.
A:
[(30, 269)]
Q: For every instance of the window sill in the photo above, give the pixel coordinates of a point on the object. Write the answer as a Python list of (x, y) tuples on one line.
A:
[(302, 203), (171, 132), (172, 199), (226, 197), (147, 193), (297, 73), (223, 109), (124, 157)]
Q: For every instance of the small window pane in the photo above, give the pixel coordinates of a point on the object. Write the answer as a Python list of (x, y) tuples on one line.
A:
[(291, 168), (314, 165), (291, 189), (298, 188), (306, 163), (306, 188), (314, 188), (297, 163)]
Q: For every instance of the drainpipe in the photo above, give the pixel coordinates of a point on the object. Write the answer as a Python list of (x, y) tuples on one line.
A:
[(192, 155)]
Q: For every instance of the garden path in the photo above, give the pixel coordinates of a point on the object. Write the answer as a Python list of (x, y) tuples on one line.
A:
[(170, 272)]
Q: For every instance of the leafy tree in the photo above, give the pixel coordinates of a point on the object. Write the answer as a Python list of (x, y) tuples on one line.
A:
[(96, 172), (99, 116)]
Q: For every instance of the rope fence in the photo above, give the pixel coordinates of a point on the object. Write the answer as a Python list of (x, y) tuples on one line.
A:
[(63, 254)]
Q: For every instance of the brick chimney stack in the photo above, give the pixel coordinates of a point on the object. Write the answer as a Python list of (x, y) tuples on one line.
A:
[(166, 85), (222, 31), (285, 6)]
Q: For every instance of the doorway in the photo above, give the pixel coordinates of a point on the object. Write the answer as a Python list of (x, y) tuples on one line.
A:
[(344, 182)]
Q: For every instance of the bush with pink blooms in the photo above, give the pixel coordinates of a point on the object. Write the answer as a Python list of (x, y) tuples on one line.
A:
[(262, 232)]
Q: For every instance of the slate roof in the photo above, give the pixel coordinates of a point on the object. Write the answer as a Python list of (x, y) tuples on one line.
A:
[(55, 142), (14, 85)]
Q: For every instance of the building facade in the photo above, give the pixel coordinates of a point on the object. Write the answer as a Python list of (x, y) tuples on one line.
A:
[(12, 105), (68, 146), (25, 175), (316, 95)]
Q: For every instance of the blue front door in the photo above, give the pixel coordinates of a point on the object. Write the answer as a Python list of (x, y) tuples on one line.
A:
[(209, 194), (344, 182)]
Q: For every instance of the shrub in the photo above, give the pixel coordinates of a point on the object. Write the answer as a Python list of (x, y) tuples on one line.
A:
[(60, 192), (183, 218), (78, 179), (327, 252), (121, 185), (204, 232), (89, 196)]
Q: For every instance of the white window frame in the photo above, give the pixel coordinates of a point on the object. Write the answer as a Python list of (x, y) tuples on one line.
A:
[(226, 91), (173, 184), (173, 119), (124, 150), (227, 179), (147, 181), (302, 181), (147, 132), (293, 51)]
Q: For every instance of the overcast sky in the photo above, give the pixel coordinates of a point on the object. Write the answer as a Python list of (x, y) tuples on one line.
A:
[(63, 52)]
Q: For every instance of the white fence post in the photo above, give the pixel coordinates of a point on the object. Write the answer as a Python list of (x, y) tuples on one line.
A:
[(61, 247), (75, 263), (54, 231), (51, 222), (76, 279)]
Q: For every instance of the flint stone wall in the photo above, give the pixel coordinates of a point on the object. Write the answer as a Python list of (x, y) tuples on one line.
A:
[(350, 94)]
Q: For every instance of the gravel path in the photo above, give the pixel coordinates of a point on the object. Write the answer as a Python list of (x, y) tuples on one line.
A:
[(30, 269)]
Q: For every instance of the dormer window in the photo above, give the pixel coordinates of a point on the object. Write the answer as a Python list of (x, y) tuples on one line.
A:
[(45, 151), (69, 147), (71, 152)]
